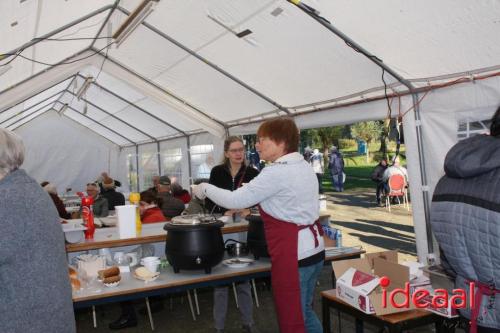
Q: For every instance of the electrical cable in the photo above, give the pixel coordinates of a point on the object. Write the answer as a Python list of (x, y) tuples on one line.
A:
[(67, 62)]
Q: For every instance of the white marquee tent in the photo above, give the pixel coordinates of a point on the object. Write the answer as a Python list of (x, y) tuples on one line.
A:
[(179, 75)]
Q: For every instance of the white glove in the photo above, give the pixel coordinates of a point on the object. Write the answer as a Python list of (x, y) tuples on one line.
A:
[(199, 191)]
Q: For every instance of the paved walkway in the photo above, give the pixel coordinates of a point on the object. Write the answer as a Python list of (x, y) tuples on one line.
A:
[(363, 223)]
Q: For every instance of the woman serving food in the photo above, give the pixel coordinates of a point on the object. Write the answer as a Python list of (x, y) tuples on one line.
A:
[(287, 194)]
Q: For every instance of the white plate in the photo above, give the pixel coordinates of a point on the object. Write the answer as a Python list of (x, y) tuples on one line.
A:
[(238, 262)]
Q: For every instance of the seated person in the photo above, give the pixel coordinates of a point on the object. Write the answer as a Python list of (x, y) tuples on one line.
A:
[(180, 193), (148, 207), (170, 206), (108, 191), (102, 177), (395, 169), (52, 191), (100, 206), (196, 205)]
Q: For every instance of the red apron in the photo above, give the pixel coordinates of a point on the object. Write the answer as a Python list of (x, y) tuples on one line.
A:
[(282, 244)]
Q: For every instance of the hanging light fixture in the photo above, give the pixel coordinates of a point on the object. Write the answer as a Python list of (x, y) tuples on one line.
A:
[(134, 20), (84, 87)]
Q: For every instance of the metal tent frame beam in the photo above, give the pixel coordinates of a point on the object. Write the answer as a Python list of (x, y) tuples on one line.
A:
[(134, 105), (32, 106), (98, 123), (26, 116), (114, 117)]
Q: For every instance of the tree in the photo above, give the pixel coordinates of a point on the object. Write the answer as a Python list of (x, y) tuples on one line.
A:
[(367, 131)]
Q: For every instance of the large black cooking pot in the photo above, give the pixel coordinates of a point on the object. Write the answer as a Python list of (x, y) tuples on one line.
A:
[(194, 242), (256, 238)]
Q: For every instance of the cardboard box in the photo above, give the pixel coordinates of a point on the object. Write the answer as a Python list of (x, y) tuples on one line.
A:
[(358, 282), (448, 312)]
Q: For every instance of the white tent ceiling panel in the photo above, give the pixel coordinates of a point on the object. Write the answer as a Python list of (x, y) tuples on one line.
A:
[(17, 23), (96, 127), (168, 114), (277, 44), (67, 12), (67, 154), (103, 100), (145, 122), (433, 38), (211, 91), (112, 84), (145, 51)]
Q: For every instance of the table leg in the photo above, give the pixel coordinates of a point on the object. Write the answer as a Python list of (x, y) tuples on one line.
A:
[(326, 315)]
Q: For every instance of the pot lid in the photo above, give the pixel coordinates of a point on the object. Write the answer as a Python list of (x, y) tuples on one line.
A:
[(194, 219)]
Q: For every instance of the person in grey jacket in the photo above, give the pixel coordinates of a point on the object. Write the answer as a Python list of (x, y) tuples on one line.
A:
[(100, 206), (465, 219), (35, 291)]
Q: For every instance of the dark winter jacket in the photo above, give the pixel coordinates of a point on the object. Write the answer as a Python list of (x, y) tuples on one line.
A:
[(336, 163), (220, 176), (114, 198), (378, 173), (465, 218)]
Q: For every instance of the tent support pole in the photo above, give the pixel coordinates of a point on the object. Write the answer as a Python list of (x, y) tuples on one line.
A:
[(190, 173), (105, 22), (159, 157), (423, 173), (137, 163)]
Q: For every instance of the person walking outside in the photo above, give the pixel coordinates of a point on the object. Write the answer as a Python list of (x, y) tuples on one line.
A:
[(317, 164), (336, 166)]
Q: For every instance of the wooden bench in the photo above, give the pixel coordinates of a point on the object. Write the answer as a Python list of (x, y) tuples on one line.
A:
[(396, 322)]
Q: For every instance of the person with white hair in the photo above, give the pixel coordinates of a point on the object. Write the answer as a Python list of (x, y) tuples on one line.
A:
[(52, 191), (395, 169), (32, 246), (100, 205)]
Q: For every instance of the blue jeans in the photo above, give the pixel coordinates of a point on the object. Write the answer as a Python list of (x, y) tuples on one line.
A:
[(337, 182), (308, 276)]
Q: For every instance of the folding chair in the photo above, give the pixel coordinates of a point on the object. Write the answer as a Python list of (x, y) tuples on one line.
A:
[(397, 189)]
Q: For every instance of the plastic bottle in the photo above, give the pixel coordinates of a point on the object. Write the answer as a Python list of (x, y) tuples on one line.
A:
[(88, 216), (339, 238), (134, 199)]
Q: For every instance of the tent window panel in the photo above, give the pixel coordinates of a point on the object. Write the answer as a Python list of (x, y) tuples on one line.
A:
[(202, 160), (132, 172), (149, 168), (171, 166), (471, 127)]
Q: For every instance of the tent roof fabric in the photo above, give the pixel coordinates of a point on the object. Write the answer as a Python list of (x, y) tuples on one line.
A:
[(187, 68)]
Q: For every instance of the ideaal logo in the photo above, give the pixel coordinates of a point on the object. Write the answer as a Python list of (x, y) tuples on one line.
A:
[(421, 298)]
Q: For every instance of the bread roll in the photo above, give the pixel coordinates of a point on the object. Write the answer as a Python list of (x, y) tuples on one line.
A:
[(106, 273), (72, 273), (75, 284), (112, 279)]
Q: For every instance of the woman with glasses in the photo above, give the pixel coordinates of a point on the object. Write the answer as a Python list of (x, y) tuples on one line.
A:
[(287, 193), (230, 175)]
